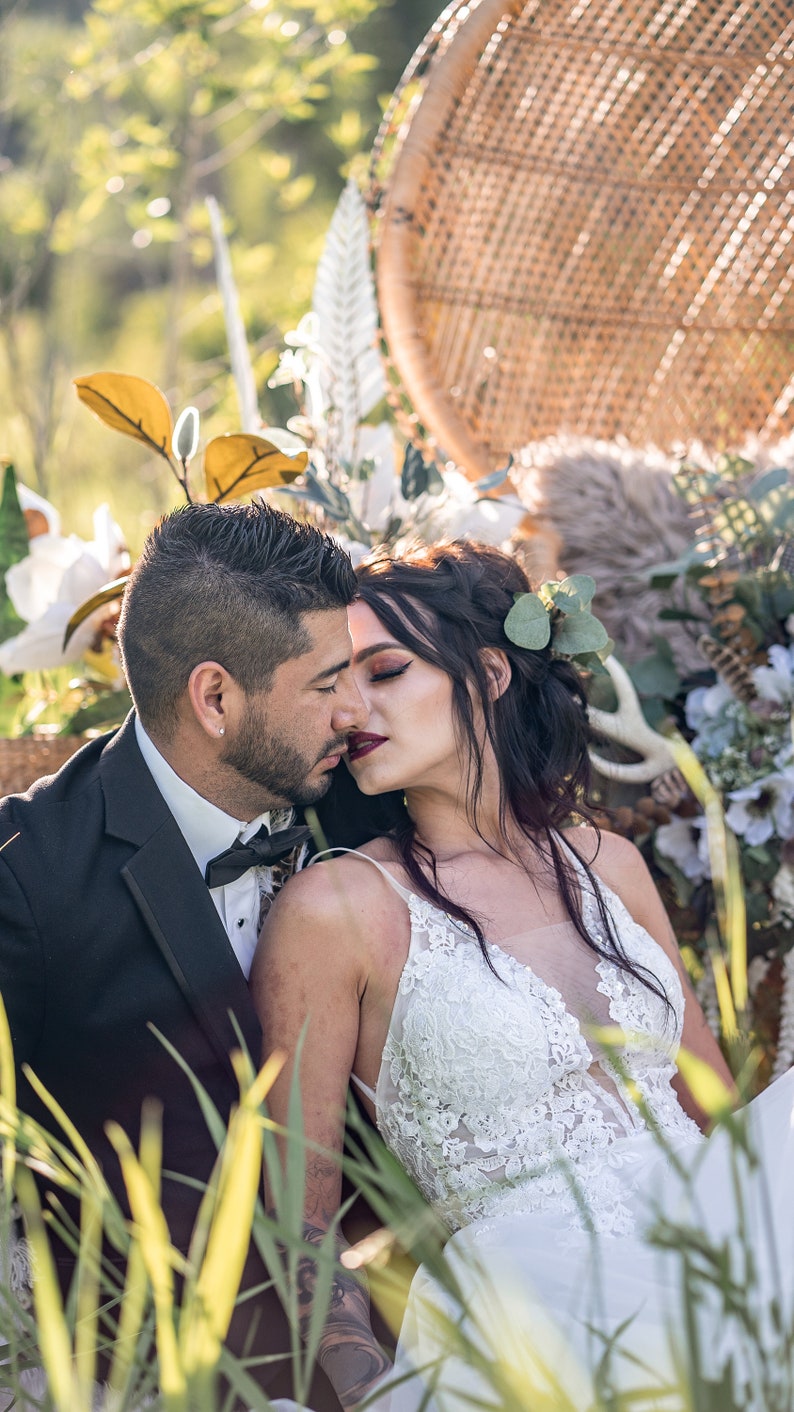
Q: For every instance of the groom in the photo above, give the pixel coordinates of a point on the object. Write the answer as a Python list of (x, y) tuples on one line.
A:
[(133, 882)]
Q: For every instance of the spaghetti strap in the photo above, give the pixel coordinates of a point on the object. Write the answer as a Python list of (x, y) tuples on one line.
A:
[(404, 892)]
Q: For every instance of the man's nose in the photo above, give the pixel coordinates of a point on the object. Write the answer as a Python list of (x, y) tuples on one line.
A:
[(350, 710)]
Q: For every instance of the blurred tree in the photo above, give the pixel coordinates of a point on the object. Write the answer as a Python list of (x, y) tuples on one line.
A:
[(117, 119)]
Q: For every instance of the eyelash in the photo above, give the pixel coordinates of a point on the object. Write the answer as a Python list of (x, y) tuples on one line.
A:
[(327, 690), (385, 676)]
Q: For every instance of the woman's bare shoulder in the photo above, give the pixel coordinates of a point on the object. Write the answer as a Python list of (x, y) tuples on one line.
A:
[(614, 859), (332, 885)]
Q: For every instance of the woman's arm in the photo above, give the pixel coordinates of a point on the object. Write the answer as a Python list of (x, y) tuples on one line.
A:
[(310, 970), (622, 867)]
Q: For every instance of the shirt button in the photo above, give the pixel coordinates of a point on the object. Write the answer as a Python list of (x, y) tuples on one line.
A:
[(241, 921)]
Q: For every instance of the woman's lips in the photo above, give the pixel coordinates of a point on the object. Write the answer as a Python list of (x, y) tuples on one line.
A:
[(362, 743)]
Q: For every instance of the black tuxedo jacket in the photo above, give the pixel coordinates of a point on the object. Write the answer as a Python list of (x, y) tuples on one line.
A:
[(108, 932)]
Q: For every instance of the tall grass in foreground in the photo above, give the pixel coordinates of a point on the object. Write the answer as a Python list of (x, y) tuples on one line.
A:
[(160, 1318)]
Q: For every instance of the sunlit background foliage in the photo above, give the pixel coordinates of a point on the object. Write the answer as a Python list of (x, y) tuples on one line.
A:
[(117, 120)]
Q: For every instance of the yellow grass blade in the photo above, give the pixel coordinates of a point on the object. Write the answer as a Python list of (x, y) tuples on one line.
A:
[(727, 878), (239, 1180), (88, 1294), (53, 1332), (8, 1089), (133, 1307), (707, 1088), (84, 1153), (159, 1258)]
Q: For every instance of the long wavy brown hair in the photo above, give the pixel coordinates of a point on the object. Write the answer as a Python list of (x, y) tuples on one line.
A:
[(448, 603)]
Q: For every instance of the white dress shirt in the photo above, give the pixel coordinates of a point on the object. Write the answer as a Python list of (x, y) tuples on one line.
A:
[(208, 831)]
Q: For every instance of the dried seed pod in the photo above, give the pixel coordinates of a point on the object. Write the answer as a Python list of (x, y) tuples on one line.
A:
[(670, 789)]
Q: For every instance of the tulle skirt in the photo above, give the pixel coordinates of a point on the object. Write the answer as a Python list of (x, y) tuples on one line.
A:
[(699, 1297)]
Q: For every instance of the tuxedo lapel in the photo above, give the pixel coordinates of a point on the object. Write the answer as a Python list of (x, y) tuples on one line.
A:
[(174, 901)]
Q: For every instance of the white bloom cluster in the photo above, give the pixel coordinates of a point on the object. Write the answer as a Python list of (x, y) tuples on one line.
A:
[(748, 752), (56, 576)]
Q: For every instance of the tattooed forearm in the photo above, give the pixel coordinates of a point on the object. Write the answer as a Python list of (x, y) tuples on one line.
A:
[(349, 1353)]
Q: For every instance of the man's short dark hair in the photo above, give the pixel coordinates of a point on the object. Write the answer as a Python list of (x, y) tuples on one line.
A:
[(229, 584)]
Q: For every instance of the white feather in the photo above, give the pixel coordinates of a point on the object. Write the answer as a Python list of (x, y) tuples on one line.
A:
[(347, 323)]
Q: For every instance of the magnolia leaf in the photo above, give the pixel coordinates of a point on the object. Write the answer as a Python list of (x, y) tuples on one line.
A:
[(579, 632), (418, 476), (109, 593), (14, 546), (528, 624), (238, 464), (129, 404)]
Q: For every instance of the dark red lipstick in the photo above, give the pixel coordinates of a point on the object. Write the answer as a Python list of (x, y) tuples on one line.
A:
[(362, 743)]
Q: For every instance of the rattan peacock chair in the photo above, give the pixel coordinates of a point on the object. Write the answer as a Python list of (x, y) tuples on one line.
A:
[(583, 216)]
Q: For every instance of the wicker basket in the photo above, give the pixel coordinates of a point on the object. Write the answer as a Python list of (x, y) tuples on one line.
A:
[(24, 759), (583, 221)]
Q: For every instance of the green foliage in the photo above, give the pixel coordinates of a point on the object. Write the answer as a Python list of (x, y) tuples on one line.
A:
[(14, 546), (116, 120)]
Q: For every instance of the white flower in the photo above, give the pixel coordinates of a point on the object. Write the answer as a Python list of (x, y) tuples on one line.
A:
[(459, 511), (50, 583), (776, 682), (29, 500), (762, 809), (783, 893), (372, 499), (679, 842)]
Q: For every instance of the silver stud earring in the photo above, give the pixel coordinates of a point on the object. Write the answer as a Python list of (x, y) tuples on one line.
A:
[(221, 730)]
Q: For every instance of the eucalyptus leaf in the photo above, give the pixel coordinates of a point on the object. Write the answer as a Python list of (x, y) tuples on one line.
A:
[(581, 584), (528, 624), (333, 500), (773, 479), (654, 676), (497, 477), (593, 662), (580, 632)]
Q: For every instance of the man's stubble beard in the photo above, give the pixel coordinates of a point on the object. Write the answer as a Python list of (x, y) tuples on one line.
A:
[(275, 765)]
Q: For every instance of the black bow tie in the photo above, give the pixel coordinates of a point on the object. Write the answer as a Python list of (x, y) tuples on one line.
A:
[(261, 850)]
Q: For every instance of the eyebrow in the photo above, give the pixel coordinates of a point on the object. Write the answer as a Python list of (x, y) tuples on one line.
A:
[(330, 671), (367, 652)]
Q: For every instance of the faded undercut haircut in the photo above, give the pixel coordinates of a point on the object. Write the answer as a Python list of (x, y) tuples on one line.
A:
[(227, 584)]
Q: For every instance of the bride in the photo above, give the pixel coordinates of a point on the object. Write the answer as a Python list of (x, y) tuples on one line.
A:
[(469, 970)]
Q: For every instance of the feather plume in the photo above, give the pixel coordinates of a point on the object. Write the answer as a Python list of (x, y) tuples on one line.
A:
[(344, 302), (733, 668)]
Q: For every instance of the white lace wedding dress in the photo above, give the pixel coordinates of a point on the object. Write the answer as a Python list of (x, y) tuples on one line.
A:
[(550, 1157)]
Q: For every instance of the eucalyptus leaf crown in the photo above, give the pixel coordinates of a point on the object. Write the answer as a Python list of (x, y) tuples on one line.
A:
[(559, 614)]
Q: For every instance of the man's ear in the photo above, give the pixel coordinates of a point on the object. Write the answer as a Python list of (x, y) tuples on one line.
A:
[(211, 693), (499, 671)]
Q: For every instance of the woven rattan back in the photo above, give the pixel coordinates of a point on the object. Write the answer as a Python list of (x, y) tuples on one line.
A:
[(585, 211)]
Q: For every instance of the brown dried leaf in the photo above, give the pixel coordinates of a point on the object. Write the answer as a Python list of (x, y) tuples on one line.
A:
[(109, 593)]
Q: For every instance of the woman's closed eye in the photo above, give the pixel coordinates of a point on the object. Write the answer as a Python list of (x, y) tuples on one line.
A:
[(383, 671)]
